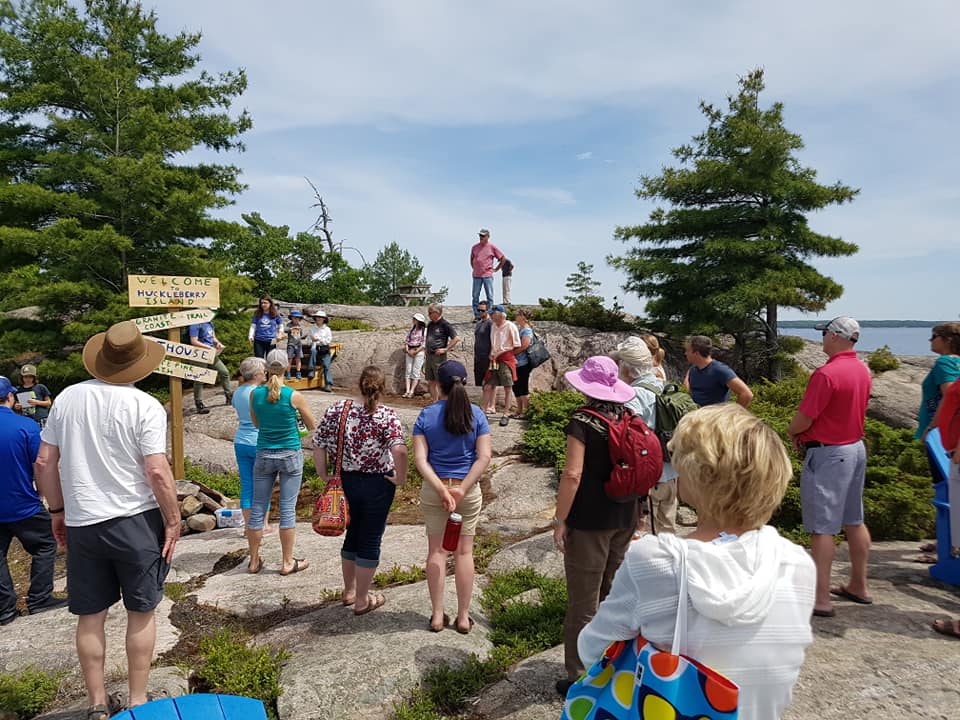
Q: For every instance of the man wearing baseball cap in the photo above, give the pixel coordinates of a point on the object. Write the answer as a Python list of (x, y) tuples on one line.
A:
[(482, 256), (828, 428), (103, 469), (22, 514)]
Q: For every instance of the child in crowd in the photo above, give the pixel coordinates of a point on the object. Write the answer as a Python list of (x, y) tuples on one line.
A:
[(38, 406), (507, 269), (295, 343)]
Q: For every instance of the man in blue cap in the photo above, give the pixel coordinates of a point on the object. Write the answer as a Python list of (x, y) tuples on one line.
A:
[(203, 335), (22, 514)]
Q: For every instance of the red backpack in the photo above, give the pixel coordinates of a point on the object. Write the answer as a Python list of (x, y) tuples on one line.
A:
[(636, 456)]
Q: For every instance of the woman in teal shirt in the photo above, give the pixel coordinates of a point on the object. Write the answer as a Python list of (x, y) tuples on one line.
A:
[(945, 342), (273, 409)]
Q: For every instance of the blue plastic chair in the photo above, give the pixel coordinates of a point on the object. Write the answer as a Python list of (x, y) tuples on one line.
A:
[(946, 569), (197, 707)]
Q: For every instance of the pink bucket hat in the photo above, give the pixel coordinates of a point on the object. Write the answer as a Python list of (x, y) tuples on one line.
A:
[(599, 379)]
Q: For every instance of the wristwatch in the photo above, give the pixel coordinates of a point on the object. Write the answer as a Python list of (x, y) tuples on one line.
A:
[(555, 521)]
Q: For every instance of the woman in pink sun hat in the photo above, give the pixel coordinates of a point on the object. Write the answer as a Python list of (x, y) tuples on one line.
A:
[(591, 531)]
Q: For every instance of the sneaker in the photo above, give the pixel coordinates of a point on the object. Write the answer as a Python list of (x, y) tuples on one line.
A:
[(310, 374), (202, 409), (563, 686), (327, 388), (287, 376), (9, 618), (229, 399), (299, 376)]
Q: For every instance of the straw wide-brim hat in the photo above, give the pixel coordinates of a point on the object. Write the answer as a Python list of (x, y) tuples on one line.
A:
[(121, 355), (599, 379)]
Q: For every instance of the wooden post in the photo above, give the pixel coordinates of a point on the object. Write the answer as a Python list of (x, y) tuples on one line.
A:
[(176, 414)]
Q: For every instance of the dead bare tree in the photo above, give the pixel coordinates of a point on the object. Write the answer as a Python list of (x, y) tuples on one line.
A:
[(320, 227)]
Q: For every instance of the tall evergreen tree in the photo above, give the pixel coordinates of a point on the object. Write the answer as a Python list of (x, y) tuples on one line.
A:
[(734, 245), (392, 268), (97, 111)]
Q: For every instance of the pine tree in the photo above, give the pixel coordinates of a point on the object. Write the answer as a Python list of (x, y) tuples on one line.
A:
[(734, 245), (97, 111)]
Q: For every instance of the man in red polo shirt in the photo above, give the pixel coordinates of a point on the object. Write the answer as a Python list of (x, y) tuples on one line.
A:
[(829, 427)]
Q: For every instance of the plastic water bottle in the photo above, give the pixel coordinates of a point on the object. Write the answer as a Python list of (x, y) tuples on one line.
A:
[(301, 425), (451, 533)]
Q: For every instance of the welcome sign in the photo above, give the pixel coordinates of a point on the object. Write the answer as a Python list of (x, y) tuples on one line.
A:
[(173, 291)]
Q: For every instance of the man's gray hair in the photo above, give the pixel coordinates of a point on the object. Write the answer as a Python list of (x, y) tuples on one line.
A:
[(435, 308), (251, 366)]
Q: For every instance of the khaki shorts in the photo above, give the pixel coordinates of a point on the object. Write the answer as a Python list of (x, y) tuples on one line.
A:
[(435, 517), (431, 364), (502, 376)]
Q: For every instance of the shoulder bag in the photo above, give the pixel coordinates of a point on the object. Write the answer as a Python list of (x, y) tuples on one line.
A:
[(331, 514), (537, 353), (634, 679)]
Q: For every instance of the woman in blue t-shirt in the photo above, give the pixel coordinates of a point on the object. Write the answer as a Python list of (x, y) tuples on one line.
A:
[(273, 410), (253, 373), (266, 327), (451, 449)]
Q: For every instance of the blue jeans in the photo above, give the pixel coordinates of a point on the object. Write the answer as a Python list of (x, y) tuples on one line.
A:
[(288, 464), (370, 496), (326, 358), (487, 284), (246, 456)]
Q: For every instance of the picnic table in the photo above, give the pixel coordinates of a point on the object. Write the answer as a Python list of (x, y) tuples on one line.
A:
[(407, 295)]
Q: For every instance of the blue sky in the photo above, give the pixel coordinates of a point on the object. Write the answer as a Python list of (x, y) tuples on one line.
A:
[(422, 121)]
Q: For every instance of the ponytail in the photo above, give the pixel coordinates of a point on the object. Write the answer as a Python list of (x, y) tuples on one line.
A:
[(372, 383), (274, 385), (458, 415)]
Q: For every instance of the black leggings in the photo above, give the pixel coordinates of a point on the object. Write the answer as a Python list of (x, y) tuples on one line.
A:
[(521, 387)]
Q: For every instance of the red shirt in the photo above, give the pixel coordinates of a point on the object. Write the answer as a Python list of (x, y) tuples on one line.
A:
[(836, 399), (948, 418)]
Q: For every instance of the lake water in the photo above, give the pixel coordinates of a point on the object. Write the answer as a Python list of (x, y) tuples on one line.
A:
[(901, 340)]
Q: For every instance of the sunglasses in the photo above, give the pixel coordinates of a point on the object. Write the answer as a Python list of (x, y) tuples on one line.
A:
[(934, 337)]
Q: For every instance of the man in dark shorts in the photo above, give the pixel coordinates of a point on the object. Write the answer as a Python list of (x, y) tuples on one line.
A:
[(828, 427), (115, 501), (441, 339), (481, 344)]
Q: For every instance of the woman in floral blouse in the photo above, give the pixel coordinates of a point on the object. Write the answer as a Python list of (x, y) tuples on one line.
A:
[(374, 464)]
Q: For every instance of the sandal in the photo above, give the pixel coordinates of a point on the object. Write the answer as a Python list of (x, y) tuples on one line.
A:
[(250, 569), (434, 628), (298, 565), (464, 631), (373, 602), (926, 558), (98, 712), (928, 547), (947, 627)]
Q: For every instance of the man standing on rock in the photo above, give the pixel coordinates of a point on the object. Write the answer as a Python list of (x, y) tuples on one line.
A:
[(202, 335), (22, 514), (103, 469), (441, 339), (502, 372), (710, 381), (481, 344), (828, 426), (482, 255)]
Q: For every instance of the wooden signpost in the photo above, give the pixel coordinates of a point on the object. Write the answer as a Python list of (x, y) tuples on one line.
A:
[(176, 293)]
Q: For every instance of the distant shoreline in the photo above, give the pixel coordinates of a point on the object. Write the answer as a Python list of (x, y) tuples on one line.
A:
[(863, 323)]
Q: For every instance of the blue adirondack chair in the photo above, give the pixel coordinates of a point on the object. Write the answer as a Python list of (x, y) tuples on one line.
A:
[(197, 707), (947, 569)]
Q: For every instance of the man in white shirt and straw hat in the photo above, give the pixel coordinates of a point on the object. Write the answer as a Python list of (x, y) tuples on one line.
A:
[(103, 468)]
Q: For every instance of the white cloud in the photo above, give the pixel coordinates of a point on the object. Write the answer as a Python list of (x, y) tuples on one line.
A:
[(584, 156)]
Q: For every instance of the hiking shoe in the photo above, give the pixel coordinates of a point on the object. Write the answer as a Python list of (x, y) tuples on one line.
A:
[(229, 398), (202, 409), (299, 377), (51, 603)]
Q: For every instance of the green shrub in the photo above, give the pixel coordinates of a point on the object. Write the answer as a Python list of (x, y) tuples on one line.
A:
[(898, 510), (544, 441), (225, 483), (882, 359), (589, 313), (29, 691), (229, 665)]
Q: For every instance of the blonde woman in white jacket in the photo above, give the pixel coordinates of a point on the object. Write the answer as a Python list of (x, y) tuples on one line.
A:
[(750, 591)]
